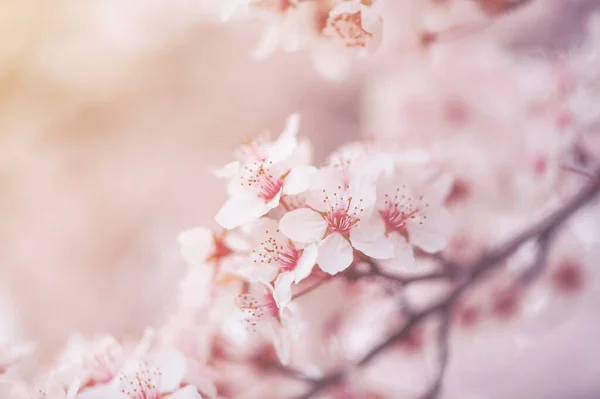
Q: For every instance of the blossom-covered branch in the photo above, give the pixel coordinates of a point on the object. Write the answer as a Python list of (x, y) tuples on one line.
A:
[(541, 232)]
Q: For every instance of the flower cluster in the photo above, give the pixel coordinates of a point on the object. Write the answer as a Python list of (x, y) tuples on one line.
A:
[(336, 31)]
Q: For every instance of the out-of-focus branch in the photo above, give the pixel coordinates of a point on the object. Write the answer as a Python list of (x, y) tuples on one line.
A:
[(541, 231), (443, 338), (376, 270), (578, 170)]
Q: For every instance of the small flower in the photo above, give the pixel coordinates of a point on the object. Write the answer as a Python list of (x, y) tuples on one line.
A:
[(338, 204), (405, 218), (263, 311), (276, 257), (262, 149), (352, 29), (260, 184), (161, 378)]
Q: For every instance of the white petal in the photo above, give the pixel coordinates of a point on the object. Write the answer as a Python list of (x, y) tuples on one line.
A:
[(363, 187), (427, 239), (282, 343), (369, 237), (298, 180), (306, 263), (402, 250), (369, 229), (379, 249), (283, 289), (335, 254), (172, 366), (196, 245), (240, 210), (439, 190), (303, 225), (268, 42), (373, 23), (73, 389), (258, 273), (429, 236), (188, 392), (287, 142)]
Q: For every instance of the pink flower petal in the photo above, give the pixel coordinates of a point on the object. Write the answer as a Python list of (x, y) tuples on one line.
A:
[(303, 225), (335, 254)]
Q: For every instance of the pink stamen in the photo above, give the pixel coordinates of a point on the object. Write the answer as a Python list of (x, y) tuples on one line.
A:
[(348, 27), (257, 307), (261, 178), (274, 253), (142, 386), (398, 210), (343, 212)]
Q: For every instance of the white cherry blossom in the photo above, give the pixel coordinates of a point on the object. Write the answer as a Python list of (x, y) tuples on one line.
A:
[(407, 215), (263, 312), (277, 258), (338, 204), (159, 378), (268, 173), (353, 29)]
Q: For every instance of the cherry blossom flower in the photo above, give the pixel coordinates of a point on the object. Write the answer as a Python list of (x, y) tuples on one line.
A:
[(160, 378), (264, 178), (352, 29), (98, 362), (338, 205), (263, 311), (287, 26), (277, 258), (406, 216), (262, 149), (92, 363)]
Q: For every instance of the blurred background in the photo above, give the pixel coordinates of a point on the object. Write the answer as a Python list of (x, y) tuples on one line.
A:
[(113, 114)]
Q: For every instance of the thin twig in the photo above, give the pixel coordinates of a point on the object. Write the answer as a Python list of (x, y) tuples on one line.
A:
[(578, 170), (376, 270)]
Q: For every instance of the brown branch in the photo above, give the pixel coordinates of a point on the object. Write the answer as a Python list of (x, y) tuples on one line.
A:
[(578, 170), (376, 270), (542, 231)]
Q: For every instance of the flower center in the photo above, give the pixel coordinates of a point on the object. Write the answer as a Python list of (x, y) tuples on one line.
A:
[(143, 385), (348, 27), (103, 367), (340, 221), (264, 181), (221, 249), (272, 252), (257, 307), (397, 211), (343, 213), (252, 149)]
